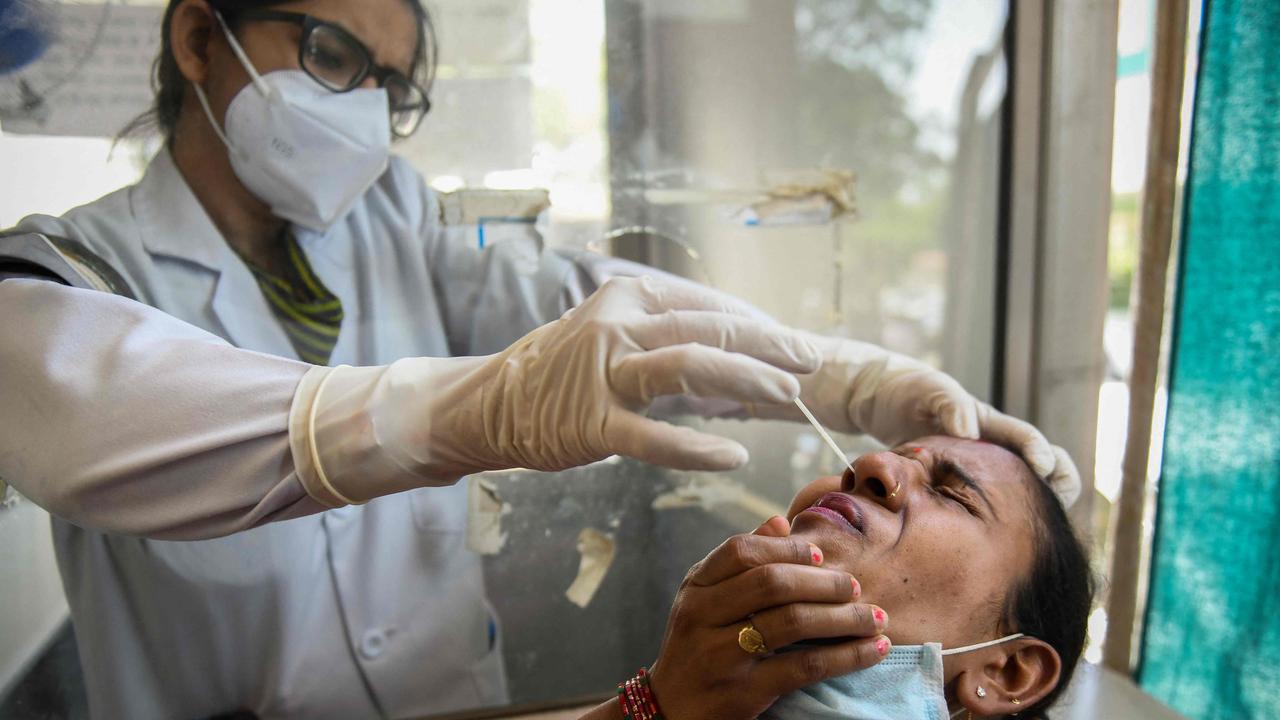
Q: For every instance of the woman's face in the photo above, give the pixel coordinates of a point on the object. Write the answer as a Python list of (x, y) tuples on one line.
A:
[(937, 532), (388, 28)]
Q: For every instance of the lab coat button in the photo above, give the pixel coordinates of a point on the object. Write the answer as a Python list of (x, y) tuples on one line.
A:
[(373, 644)]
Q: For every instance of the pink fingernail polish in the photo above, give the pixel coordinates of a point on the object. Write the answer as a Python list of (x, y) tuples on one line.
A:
[(882, 646), (816, 554), (881, 618), (857, 589)]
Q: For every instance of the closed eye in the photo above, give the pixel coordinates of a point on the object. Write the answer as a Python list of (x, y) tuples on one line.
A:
[(944, 485), (950, 480), (948, 469), (958, 497)]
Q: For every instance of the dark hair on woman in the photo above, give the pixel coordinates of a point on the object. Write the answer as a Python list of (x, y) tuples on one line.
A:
[(1053, 603), (169, 84)]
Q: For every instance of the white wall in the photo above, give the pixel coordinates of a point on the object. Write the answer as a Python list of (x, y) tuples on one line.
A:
[(51, 175)]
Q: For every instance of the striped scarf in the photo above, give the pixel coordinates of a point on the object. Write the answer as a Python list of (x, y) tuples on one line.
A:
[(310, 315)]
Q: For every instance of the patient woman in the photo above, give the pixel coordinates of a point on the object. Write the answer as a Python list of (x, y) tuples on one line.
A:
[(939, 541)]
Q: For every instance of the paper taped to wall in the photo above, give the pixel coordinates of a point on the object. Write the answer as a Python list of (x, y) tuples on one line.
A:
[(93, 79), (597, 550)]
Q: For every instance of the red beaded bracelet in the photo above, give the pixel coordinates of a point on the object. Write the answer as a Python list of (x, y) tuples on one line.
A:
[(638, 702)]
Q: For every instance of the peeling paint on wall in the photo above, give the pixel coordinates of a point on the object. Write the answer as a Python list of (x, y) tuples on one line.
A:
[(485, 511), (709, 492)]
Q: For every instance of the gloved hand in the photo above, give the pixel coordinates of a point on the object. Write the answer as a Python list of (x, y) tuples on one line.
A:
[(566, 394), (863, 388)]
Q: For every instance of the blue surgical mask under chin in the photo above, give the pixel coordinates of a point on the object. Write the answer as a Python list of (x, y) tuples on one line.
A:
[(907, 683)]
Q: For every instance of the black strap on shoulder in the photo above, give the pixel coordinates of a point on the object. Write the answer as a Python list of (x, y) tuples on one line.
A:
[(56, 259)]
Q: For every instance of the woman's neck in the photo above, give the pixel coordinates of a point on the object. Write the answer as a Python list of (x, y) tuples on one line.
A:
[(246, 223)]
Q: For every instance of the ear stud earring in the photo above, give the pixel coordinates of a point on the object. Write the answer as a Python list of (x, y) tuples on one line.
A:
[(981, 692)]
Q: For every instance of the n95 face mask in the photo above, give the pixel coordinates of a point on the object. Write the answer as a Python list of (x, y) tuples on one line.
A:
[(907, 683), (307, 152)]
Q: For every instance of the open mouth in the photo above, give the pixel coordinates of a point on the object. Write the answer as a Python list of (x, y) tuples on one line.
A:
[(841, 509)]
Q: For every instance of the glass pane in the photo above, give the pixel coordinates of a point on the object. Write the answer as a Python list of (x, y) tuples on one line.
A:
[(711, 107), (519, 102), (715, 106)]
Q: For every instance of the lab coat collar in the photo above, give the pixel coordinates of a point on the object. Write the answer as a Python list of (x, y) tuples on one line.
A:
[(173, 221), (174, 224)]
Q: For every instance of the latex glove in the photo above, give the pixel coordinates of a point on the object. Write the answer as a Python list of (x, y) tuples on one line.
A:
[(566, 394), (863, 388)]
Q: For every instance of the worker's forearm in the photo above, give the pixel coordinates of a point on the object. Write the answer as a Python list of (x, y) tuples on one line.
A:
[(119, 417), (611, 710)]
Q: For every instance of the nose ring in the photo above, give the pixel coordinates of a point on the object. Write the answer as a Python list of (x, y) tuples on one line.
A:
[(896, 488)]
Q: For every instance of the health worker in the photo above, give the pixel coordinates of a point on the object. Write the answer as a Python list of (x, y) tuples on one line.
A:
[(312, 361)]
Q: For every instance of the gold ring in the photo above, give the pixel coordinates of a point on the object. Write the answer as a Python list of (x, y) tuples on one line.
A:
[(750, 639)]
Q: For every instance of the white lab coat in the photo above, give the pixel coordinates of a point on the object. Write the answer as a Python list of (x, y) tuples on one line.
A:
[(350, 613)]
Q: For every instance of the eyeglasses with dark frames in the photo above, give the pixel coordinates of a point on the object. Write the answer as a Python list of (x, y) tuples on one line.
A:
[(337, 60)]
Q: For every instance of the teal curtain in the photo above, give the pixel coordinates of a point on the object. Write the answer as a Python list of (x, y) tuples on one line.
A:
[(1211, 647)]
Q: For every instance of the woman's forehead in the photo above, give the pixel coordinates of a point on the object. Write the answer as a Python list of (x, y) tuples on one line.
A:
[(979, 453), (389, 28)]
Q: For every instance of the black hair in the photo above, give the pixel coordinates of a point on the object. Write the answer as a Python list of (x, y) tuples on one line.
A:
[(1053, 602), (169, 84)]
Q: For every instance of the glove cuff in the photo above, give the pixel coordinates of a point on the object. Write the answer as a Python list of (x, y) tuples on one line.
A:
[(303, 442), (357, 433)]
